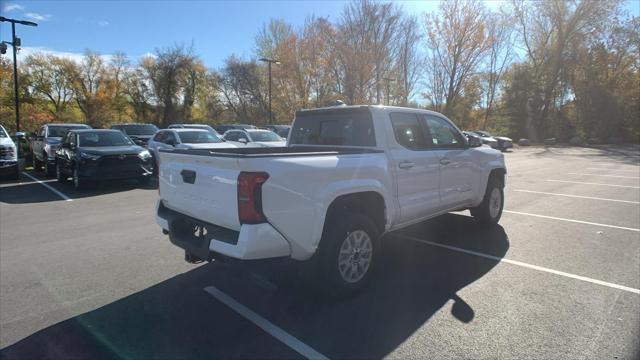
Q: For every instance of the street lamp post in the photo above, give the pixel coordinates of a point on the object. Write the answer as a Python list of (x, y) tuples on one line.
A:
[(388, 81), (270, 61), (15, 42)]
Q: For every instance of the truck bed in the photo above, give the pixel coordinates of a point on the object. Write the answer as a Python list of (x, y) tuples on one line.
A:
[(258, 152)]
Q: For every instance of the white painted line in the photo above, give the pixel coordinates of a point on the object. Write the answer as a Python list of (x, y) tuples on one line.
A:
[(577, 196), (295, 344), (65, 197), (571, 220), (590, 183), (613, 176), (525, 265), (637, 171)]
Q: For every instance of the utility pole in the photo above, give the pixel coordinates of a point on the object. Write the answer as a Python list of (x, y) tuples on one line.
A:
[(15, 43), (388, 81), (270, 61)]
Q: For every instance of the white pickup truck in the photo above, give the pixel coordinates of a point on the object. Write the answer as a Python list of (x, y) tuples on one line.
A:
[(348, 175)]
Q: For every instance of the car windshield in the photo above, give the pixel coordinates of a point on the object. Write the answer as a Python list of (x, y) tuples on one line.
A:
[(142, 129), (264, 136), (198, 137), (103, 138), (59, 131), (3, 134)]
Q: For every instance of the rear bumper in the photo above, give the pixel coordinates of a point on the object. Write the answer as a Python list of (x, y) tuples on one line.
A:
[(205, 240)]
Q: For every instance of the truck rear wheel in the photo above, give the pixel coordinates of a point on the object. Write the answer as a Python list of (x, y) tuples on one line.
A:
[(488, 213), (349, 252)]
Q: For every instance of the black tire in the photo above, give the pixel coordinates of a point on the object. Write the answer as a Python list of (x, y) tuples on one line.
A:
[(332, 265), (50, 169), (60, 176), (488, 213), (37, 164), (78, 181)]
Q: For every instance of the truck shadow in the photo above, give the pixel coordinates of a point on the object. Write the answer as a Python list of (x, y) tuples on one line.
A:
[(177, 319)]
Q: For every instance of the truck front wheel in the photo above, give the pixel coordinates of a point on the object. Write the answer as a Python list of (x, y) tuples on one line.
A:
[(490, 210), (349, 251)]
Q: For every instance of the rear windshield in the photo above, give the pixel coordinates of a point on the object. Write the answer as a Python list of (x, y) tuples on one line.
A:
[(198, 137), (103, 138), (143, 129), (342, 127), (59, 131)]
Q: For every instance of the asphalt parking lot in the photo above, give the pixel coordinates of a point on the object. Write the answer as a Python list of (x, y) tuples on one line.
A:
[(89, 275)]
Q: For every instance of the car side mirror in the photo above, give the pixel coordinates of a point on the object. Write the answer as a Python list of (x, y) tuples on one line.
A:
[(243, 140), (474, 141), (20, 135)]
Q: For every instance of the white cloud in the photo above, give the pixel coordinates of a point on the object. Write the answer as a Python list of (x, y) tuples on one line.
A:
[(75, 56), (9, 7), (38, 17), (103, 23)]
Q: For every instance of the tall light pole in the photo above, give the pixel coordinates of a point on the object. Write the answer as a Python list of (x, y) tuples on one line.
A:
[(388, 81), (15, 43), (270, 61)]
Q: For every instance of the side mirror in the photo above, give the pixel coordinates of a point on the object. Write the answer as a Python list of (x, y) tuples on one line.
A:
[(20, 135), (243, 140), (473, 141)]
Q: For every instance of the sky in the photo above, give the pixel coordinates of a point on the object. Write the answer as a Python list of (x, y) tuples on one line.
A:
[(216, 29)]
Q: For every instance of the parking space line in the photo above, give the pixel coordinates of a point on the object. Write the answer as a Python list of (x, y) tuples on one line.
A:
[(572, 220), (590, 183), (65, 197), (613, 176), (637, 171), (525, 265), (577, 196), (295, 344)]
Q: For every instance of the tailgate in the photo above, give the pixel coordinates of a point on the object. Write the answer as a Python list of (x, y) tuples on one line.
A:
[(203, 187)]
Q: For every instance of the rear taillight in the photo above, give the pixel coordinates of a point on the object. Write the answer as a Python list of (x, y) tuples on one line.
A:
[(250, 197)]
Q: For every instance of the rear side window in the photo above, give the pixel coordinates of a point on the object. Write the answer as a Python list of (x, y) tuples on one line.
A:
[(344, 127), (407, 131)]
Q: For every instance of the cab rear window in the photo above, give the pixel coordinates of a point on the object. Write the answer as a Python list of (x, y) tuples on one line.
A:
[(338, 127)]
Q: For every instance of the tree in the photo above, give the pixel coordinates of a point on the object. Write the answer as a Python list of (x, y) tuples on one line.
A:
[(457, 42), (47, 77), (92, 87)]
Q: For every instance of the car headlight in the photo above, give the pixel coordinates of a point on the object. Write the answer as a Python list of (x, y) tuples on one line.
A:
[(89, 156), (144, 155)]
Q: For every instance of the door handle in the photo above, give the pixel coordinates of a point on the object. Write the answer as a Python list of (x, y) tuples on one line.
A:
[(406, 165), (445, 161)]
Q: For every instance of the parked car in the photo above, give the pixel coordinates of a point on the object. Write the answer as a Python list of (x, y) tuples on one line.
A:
[(281, 130), (139, 133), (348, 175), (99, 154), (497, 142), (185, 139), (8, 156), (45, 143), (194, 126), (255, 138), (221, 129)]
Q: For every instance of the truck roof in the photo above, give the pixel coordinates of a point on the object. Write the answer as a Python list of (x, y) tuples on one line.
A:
[(378, 107)]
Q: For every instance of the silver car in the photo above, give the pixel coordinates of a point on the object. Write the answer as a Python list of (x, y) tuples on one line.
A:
[(184, 139)]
